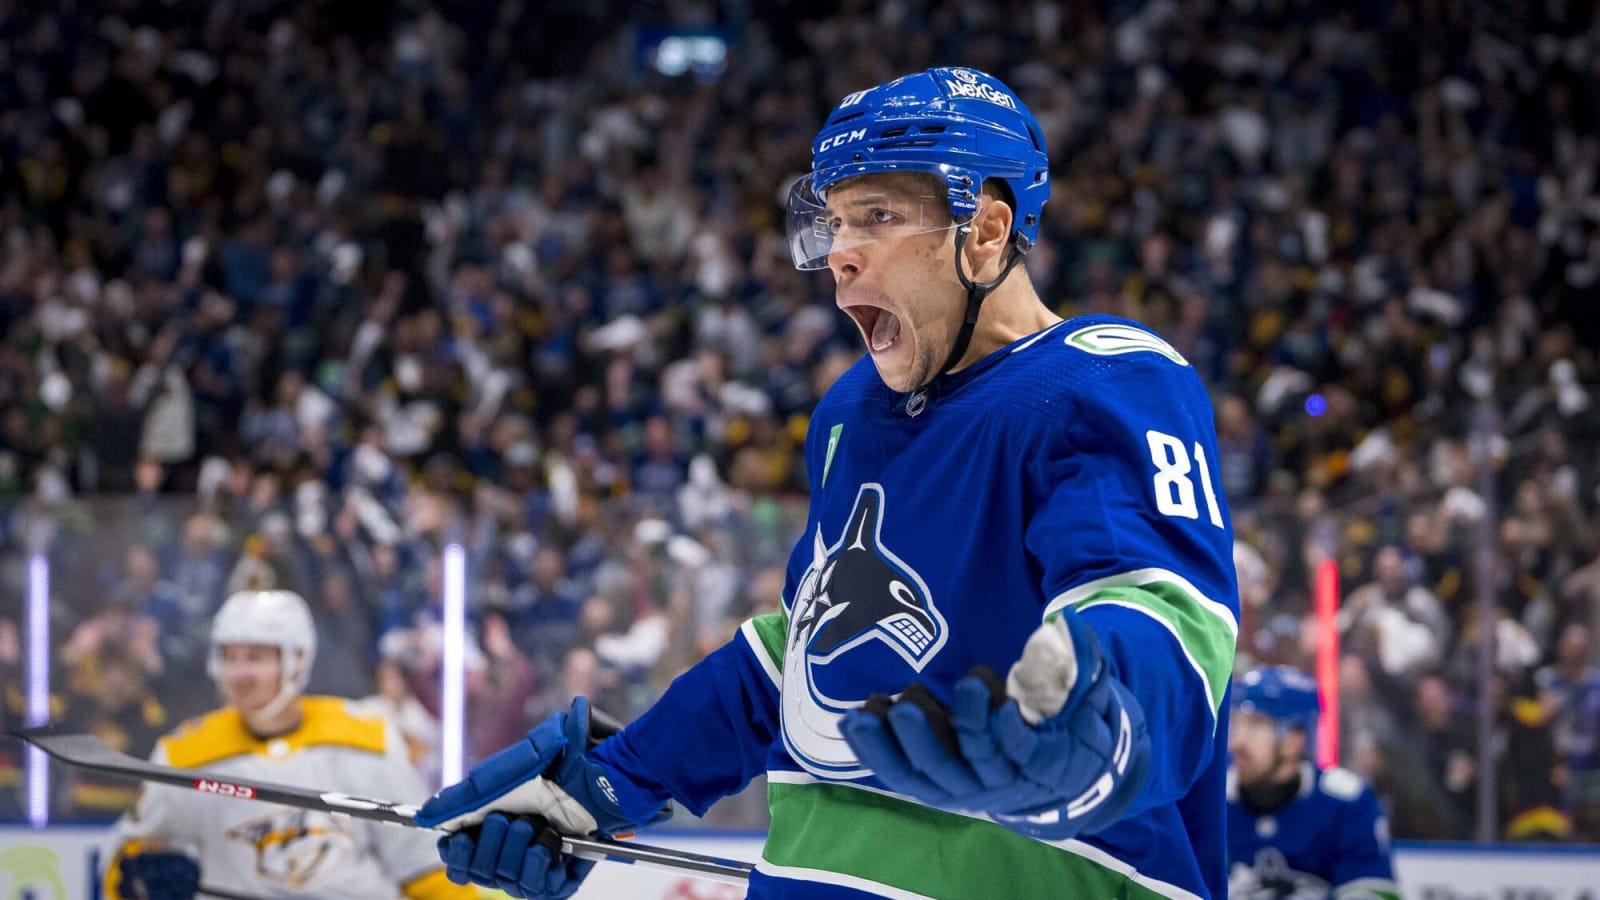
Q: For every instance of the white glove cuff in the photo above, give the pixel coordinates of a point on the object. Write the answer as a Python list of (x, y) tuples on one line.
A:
[(1041, 680), (538, 797)]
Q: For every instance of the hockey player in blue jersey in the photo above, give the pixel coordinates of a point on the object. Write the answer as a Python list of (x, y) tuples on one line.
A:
[(1295, 830), (993, 490)]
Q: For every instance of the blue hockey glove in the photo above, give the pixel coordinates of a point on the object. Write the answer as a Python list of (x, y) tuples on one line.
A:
[(546, 776), (521, 856), (159, 875), (1059, 750)]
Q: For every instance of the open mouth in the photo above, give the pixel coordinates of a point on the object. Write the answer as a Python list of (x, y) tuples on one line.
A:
[(880, 327)]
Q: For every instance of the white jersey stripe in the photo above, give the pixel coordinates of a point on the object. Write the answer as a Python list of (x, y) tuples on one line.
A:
[(768, 665), (821, 876)]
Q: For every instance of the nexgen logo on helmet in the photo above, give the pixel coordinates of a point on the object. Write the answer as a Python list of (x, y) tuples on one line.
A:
[(960, 125), (969, 83)]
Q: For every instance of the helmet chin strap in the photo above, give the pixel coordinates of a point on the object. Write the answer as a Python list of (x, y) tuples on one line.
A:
[(261, 720), (976, 292)]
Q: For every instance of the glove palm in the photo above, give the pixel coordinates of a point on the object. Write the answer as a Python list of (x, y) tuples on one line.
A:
[(1059, 749)]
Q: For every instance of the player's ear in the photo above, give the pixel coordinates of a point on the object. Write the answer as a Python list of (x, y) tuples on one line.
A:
[(1294, 744), (989, 237)]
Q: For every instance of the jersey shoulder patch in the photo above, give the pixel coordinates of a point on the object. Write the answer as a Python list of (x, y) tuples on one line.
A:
[(1119, 338), (1341, 784)]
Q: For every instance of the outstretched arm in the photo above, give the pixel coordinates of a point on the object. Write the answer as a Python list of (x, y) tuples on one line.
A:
[(706, 737), (710, 732), (1134, 535)]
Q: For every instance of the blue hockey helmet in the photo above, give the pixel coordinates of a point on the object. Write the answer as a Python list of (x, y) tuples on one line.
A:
[(1281, 693), (958, 124)]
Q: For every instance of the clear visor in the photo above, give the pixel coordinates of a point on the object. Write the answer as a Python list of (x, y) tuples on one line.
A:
[(857, 214)]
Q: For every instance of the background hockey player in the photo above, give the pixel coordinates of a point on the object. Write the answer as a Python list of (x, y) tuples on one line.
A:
[(1295, 830), (992, 491), (262, 645)]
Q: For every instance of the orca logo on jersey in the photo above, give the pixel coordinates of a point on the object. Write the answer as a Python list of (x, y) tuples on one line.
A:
[(862, 622), (1272, 878)]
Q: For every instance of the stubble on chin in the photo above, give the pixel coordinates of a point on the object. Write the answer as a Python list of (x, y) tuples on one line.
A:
[(924, 364), (909, 380)]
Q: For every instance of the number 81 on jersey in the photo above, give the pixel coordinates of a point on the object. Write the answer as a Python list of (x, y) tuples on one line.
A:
[(1173, 484)]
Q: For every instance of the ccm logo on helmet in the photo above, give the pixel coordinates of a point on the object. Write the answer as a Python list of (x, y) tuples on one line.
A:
[(853, 135), (242, 791), (981, 91)]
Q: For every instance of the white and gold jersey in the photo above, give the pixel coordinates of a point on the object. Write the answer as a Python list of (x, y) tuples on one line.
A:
[(265, 850)]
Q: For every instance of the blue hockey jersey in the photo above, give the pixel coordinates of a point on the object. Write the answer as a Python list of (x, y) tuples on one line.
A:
[(1330, 841), (1074, 467)]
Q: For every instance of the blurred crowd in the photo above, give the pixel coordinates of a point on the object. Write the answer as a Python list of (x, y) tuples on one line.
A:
[(300, 294)]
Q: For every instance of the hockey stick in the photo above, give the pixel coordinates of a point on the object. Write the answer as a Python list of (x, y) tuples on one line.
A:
[(206, 890), (85, 751)]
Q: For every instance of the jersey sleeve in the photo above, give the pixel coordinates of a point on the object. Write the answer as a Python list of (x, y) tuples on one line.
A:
[(713, 727), (709, 733), (1361, 868), (163, 817), (1132, 531)]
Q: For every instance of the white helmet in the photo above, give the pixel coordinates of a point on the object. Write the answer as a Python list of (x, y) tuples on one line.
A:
[(279, 618)]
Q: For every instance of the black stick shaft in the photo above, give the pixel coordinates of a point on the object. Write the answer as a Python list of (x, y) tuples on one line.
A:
[(208, 890), (85, 751)]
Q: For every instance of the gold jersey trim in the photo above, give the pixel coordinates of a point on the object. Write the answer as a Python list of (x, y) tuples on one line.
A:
[(326, 722)]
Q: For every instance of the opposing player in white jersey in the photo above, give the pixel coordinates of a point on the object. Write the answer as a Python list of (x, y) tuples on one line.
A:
[(262, 646)]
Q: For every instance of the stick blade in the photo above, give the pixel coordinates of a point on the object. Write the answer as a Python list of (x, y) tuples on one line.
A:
[(86, 751), (82, 750), (70, 745)]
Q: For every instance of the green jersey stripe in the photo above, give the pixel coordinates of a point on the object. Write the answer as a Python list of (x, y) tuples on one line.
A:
[(1210, 654), (1206, 636), (840, 827), (1140, 578), (766, 634)]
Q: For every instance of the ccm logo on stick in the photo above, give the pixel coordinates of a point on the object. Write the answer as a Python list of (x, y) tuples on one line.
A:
[(242, 791)]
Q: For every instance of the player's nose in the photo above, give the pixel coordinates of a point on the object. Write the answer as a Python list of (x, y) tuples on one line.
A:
[(846, 261)]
